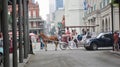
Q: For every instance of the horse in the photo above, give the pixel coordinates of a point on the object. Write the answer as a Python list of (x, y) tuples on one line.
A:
[(53, 38)]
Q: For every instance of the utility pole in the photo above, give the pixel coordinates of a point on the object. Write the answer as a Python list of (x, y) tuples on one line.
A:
[(4, 24), (20, 31), (25, 30)]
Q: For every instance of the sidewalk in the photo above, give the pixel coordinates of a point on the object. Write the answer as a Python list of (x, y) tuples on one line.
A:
[(19, 64), (115, 52), (24, 61)]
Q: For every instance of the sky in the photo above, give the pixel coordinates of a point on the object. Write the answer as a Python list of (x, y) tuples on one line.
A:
[(44, 8)]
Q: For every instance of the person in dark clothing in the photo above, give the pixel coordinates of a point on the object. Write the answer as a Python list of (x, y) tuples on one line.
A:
[(31, 49), (88, 34)]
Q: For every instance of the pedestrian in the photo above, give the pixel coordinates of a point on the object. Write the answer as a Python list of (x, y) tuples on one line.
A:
[(41, 43), (116, 39), (31, 48), (83, 32), (67, 32), (59, 34), (74, 37), (88, 34)]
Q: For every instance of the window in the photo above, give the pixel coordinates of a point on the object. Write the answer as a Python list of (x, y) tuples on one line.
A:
[(29, 14), (95, 7), (31, 24), (108, 1), (34, 14), (104, 3), (100, 5), (34, 24)]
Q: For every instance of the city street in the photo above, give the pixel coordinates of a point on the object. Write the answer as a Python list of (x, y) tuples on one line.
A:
[(72, 58)]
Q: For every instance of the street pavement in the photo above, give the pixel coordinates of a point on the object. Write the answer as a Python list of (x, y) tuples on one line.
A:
[(74, 57), (77, 57)]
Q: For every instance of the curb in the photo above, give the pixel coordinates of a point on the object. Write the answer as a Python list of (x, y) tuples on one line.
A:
[(25, 61), (115, 52)]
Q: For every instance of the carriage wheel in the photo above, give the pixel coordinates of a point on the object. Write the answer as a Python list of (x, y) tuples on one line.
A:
[(63, 46)]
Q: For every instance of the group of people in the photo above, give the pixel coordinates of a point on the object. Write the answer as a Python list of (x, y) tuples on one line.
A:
[(74, 36), (71, 37)]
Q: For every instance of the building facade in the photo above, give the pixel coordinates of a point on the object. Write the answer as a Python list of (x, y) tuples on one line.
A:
[(36, 24), (56, 13), (98, 13), (74, 13)]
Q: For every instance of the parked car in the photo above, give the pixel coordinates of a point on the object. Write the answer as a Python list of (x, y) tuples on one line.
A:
[(1, 51), (102, 40)]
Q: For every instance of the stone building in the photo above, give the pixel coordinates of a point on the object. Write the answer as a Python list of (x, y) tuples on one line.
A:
[(98, 13)]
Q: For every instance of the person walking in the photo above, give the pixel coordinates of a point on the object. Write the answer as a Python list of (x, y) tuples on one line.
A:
[(116, 39), (41, 43)]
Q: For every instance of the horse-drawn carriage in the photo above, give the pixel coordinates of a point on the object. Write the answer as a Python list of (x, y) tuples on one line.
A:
[(64, 42)]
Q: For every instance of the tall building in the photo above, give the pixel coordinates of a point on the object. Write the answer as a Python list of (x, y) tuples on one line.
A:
[(74, 13), (98, 14), (54, 5), (51, 10), (59, 4), (56, 12), (59, 13)]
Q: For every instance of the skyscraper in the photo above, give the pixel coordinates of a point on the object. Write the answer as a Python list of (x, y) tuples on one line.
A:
[(59, 4)]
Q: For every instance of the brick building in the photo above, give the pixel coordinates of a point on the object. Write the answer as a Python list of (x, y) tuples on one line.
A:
[(36, 24)]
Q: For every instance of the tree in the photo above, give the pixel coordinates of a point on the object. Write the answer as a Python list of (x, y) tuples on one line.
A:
[(115, 1)]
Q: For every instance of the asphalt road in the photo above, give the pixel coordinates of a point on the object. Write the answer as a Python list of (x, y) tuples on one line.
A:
[(73, 58)]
